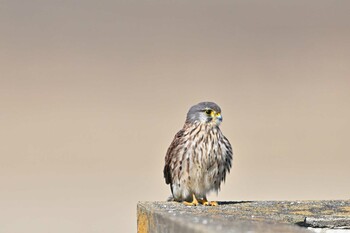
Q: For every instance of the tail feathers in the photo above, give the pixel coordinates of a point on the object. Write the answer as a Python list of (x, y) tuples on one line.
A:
[(170, 198)]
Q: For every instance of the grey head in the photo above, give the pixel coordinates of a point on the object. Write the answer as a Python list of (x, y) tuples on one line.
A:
[(204, 112)]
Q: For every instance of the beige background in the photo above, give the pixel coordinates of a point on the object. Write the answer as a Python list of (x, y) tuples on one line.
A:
[(92, 93)]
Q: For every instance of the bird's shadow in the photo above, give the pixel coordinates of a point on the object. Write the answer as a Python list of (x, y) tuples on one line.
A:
[(232, 202)]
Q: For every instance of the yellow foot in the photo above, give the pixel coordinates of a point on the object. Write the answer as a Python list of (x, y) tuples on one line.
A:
[(204, 202), (193, 203), (213, 203)]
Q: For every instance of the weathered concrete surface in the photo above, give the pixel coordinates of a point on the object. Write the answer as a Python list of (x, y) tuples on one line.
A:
[(244, 216), (339, 222)]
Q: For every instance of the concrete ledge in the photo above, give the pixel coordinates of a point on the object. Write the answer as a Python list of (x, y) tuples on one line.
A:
[(244, 216)]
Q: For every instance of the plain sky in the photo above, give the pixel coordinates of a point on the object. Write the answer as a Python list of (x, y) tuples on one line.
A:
[(92, 93)]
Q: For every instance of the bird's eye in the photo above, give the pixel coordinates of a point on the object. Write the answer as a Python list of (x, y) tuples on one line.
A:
[(208, 111)]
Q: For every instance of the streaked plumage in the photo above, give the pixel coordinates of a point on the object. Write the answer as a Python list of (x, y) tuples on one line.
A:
[(199, 156)]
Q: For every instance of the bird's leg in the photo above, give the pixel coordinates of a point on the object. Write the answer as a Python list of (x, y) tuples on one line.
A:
[(193, 203)]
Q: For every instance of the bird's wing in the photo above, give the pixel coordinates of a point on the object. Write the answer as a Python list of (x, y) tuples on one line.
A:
[(170, 154), (228, 157)]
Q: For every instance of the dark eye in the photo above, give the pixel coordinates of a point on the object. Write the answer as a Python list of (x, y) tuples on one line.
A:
[(208, 111)]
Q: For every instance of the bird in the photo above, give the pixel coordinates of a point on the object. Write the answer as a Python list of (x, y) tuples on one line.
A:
[(199, 157)]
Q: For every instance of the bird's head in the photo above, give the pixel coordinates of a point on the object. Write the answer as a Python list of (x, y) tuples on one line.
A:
[(205, 112)]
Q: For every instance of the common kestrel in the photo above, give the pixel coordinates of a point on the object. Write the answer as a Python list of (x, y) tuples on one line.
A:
[(199, 156)]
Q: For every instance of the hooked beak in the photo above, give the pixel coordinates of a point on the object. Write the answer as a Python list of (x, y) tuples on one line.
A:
[(219, 116)]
